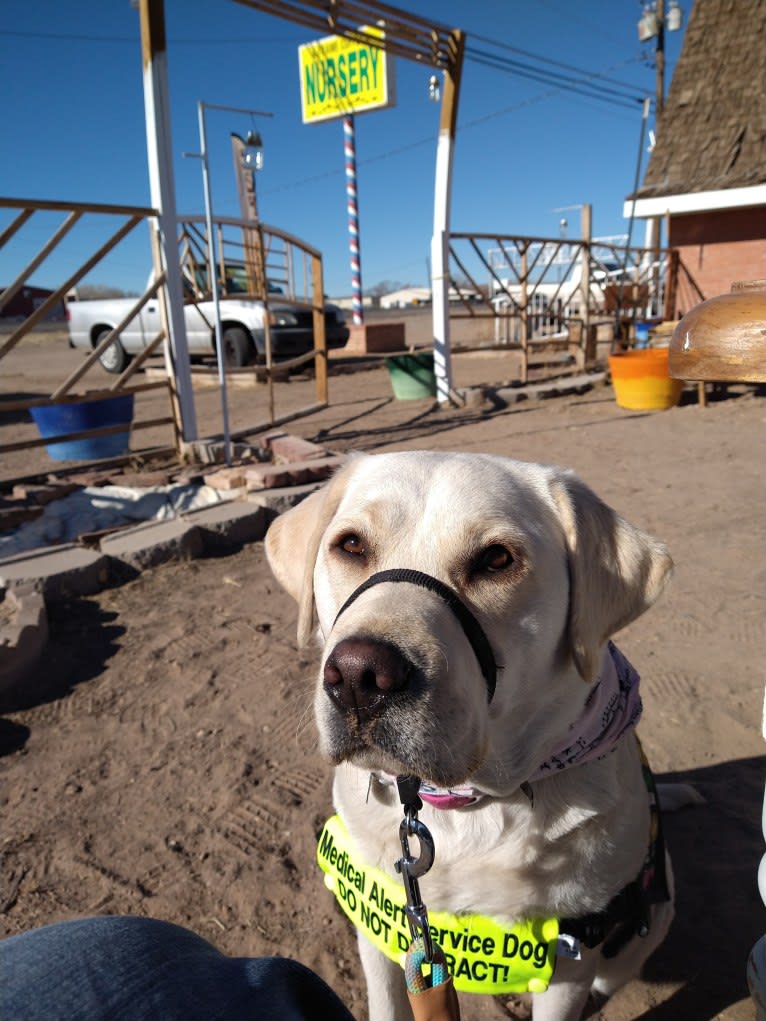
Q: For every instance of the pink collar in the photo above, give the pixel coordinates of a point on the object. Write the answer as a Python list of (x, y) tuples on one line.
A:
[(612, 708)]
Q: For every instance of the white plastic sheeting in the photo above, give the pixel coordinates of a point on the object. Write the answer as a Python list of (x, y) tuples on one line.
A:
[(96, 508)]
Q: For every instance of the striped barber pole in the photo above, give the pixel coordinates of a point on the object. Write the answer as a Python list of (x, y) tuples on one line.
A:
[(349, 151)]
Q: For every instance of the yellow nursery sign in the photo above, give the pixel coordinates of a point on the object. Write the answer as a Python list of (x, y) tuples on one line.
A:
[(341, 76)]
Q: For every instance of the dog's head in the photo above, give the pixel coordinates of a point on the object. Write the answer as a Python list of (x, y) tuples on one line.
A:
[(547, 570)]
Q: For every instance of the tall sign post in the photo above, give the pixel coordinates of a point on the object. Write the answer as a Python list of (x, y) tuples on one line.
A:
[(352, 208), (248, 211), (440, 240), (341, 77)]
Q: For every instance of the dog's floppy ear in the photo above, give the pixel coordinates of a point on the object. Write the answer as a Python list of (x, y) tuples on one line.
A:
[(292, 542), (616, 571)]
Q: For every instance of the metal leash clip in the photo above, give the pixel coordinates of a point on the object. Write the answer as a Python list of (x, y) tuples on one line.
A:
[(411, 868)]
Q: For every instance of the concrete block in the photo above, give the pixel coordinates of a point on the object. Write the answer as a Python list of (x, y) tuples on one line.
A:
[(154, 543), (58, 572), (229, 525), (278, 500), (23, 637), (227, 478), (213, 451), (141, 480), (266, 439), (375, 338), (293, 449), (94, 477), (580, 383), (271, 476)]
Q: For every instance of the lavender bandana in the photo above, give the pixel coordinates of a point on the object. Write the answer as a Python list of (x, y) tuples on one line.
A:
[(612, 708)]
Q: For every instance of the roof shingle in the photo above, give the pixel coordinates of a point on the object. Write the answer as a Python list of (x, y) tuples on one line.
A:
[(712, 134)]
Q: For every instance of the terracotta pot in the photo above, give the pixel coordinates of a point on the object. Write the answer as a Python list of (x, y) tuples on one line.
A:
[(641, 380)]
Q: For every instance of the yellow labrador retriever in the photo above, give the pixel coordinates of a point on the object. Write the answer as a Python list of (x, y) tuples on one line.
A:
[(465, 605)]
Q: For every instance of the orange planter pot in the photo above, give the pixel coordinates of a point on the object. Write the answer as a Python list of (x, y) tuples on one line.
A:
[(642, 382)]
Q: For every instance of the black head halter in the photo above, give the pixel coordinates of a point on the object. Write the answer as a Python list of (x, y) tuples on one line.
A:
[(470, 625)]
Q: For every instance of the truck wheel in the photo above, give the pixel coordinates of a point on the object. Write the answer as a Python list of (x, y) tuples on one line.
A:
[(113, 359), (237, 347)]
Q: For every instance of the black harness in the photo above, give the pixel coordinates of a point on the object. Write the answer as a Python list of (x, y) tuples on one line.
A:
[(628, 913), (470, 625)]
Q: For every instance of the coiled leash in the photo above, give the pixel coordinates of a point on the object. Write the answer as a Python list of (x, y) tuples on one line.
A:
[(431, 993)]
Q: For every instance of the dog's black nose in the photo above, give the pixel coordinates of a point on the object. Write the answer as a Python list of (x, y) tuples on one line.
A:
[(361, 673)]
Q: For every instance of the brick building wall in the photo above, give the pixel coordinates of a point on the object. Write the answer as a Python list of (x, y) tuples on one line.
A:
[(721, 246)]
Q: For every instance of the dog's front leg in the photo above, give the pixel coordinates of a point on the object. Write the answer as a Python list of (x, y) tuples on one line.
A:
[(567, 994), (386, 988)]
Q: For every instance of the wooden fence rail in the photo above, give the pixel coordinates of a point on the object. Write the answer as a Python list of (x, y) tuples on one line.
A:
[(114, 223), (547, 296)]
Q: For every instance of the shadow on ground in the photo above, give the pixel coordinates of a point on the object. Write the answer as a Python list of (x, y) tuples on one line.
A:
[(715, 850), (82, 637)]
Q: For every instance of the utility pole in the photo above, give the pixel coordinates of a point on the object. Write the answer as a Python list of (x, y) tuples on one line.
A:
[(652, 25), (659, 104), (659, 59)]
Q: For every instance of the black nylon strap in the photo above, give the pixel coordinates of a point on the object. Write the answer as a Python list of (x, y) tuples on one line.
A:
[(470, 625), (628, 914)]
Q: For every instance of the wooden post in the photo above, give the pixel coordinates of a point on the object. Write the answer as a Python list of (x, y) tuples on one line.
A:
[(586, 220), (248, 210), (671, 286), (162, 295), (320, 337), (524, 312), (161, 182)]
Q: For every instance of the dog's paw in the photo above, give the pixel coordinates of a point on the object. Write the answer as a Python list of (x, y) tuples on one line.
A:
[(516, 1007)]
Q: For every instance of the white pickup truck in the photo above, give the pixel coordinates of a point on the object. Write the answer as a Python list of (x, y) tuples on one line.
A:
[(242, 321)]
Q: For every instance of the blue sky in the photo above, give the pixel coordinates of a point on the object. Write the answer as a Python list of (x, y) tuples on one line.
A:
[(73, 127)]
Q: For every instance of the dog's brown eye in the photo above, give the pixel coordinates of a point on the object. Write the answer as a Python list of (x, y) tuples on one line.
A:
[(494, 558), (351, 543)]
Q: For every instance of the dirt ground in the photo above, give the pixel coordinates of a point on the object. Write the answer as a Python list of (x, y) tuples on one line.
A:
[(166, 762)]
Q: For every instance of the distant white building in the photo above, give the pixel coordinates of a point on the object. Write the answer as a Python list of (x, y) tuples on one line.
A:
[(405, 297), (347, 302)]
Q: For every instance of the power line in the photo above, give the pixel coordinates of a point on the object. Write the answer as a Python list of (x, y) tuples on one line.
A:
[(176, 41), (546, 60), (571, 85), (586, 85), (430, 140)]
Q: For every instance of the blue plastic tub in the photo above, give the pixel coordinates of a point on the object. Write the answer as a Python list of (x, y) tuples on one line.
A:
[(60, 419), (642, 334)]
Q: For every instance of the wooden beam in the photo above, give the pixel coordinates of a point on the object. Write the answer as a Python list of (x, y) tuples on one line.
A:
[(103, 344), (91, 395), (78, 207), (407, 35), (320, 338), (14, 225), (47, 248)]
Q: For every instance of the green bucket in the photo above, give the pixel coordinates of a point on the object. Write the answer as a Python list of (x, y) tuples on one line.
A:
[(412, 376)]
